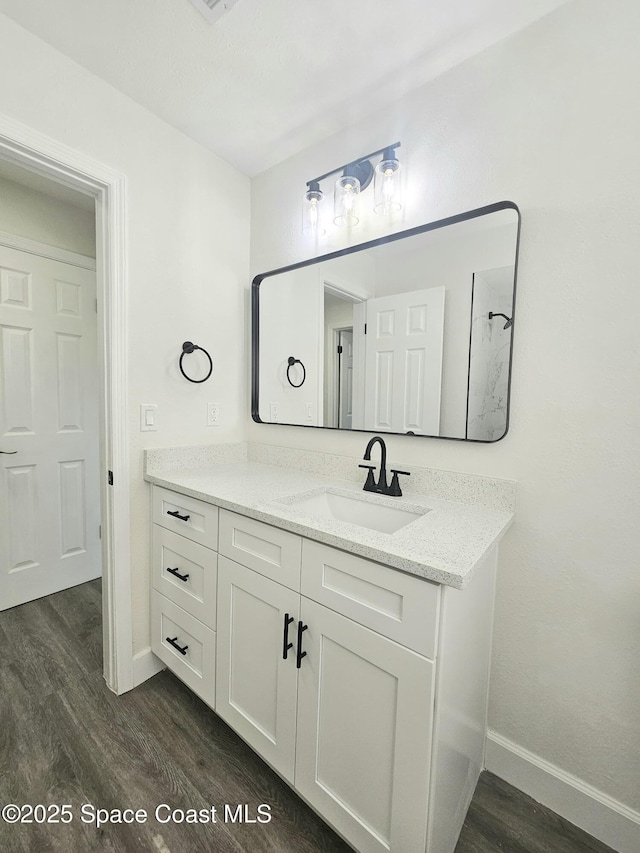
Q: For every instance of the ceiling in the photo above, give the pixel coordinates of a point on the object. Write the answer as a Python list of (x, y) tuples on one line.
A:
[(270, 77)]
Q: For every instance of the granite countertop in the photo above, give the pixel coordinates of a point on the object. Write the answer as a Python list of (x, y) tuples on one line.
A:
[(443, 545)]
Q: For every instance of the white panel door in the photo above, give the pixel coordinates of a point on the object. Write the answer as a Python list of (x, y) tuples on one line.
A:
[(49, 474), (404, 362), (256, 679), (363, 749)]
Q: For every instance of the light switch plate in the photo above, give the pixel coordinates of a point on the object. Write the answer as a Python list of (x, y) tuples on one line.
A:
[(148, 417)]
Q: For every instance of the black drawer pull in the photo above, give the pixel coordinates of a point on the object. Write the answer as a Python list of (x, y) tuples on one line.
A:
[(176, 573), (286, 645), (176, 514), (178, 648), (300, 654)]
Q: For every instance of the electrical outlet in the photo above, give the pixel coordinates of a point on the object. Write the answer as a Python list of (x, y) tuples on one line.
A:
[(148, 417), (308, 407), (274, 411), (213, 414)]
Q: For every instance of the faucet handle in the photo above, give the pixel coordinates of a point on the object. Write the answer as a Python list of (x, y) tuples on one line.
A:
[(370, 483), (394, 489)]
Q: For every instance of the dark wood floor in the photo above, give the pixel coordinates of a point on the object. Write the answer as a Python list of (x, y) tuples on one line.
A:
[(65, 739)]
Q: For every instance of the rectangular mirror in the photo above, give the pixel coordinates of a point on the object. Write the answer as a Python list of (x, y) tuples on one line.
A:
[(410, 333)]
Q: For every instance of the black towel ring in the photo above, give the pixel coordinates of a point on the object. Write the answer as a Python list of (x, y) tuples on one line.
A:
[(290, 362), (187, 348)]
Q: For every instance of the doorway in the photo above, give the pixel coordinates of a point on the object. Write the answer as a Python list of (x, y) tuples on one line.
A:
[(341, 311), (344, 377), (49, 427), (28, 149)]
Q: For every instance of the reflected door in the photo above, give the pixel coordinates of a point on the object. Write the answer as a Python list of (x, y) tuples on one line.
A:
[(404, 362), (49, 476)]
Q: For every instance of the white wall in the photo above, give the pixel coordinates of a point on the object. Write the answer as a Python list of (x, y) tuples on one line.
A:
[(550, 120), (188, 217), (29, 213), (291, 309)]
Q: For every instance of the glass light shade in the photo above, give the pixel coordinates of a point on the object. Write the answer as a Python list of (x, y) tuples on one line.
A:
[(386, 187), (311, 211), (345, 201)]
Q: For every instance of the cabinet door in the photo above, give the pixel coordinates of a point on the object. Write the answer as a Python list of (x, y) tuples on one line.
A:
[(256, 686), (365, 712)]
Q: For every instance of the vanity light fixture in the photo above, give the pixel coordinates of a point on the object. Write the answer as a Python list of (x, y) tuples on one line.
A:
[(356, 177), (345, 198), (311, 210), (386, 187)]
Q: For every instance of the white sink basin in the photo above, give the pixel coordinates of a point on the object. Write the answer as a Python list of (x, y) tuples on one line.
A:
[(362, 510)]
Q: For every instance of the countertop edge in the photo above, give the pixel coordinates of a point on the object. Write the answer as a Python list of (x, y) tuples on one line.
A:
[(424, 571)]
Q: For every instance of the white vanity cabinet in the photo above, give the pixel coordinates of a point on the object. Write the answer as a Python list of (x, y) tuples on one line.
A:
[(183, 600), (342, 711), (364, 687)]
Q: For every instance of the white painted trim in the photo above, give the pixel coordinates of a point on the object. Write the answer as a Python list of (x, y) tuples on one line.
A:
[(32, 150), (331, 381), (44, 250), (608, 820), (145, 666)]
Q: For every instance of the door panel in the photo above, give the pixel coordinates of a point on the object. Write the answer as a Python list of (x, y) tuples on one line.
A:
[(17, 380), (22, 530), (49, 488), (365, 710), (404, 362)]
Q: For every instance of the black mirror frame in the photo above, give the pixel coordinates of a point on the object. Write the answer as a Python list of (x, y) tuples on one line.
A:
[(390, 238)]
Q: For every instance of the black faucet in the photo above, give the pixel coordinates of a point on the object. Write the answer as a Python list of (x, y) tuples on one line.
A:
[(381, 486)]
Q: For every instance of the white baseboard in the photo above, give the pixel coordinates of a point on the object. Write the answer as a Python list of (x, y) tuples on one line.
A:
[(145, 665), (606, 819)]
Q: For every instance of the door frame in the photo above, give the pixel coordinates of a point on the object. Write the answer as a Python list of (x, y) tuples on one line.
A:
[(333, 391), (38, 153)]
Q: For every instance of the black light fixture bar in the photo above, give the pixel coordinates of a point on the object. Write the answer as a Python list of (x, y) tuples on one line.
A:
[(351, 162)]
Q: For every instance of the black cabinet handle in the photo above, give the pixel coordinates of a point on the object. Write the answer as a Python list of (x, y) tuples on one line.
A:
[(176, 573), (172, 642), (286, 645), (300, 654), (176, 514)]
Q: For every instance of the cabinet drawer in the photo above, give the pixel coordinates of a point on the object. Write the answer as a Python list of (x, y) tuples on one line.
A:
[(186, 573), (198, 520), (196, 667), (268, 550), (394, 604)]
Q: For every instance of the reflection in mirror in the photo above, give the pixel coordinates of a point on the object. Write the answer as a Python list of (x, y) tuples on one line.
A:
[(411, 333)]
